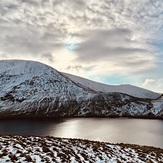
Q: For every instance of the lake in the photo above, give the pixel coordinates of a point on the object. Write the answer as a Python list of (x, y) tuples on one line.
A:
[(113, 130)]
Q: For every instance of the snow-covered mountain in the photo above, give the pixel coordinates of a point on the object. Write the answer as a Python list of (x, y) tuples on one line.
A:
[(29, 88), (125, 88)]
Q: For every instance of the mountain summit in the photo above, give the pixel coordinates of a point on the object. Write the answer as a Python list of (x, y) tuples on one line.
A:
[(33, 89)]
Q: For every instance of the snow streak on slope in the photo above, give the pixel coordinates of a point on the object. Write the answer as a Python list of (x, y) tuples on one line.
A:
[(125, 88)]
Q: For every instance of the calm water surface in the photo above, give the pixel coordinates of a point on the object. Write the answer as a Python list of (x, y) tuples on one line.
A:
[(118, 130)]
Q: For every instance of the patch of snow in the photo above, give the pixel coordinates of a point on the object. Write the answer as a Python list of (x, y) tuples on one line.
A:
[(49, 149)]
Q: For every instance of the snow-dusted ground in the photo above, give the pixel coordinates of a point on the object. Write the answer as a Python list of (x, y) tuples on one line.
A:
[(124, 88), (20, 149)]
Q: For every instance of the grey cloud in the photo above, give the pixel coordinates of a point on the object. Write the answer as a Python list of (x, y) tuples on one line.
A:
[(30, 2), (28, 45), (116, 47), (47, 56), (11, 6), (3, 55), (50, 37), (104, 44), (23, 33), (138, 65), (76, 3), (93, 13), (108, 29), (74, 67), (23, 41)]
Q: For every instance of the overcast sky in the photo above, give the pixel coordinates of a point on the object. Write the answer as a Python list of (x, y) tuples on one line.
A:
[(112, 41)]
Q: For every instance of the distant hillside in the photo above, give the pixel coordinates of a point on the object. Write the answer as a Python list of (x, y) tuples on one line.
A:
[(124, 88)]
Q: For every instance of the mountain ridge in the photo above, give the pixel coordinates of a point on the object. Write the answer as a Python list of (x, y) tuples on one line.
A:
[(122, 88), (29, 88)]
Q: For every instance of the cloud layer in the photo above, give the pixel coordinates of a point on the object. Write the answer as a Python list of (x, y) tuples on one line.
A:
[(84, 37)]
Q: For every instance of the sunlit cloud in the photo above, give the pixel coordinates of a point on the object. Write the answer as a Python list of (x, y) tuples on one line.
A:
[(156, 84)]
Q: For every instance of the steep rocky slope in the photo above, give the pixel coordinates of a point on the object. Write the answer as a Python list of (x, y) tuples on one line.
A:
[(29, 88)]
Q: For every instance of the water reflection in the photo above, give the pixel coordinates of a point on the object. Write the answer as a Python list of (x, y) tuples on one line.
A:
[(28, 127), (135, 131)]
